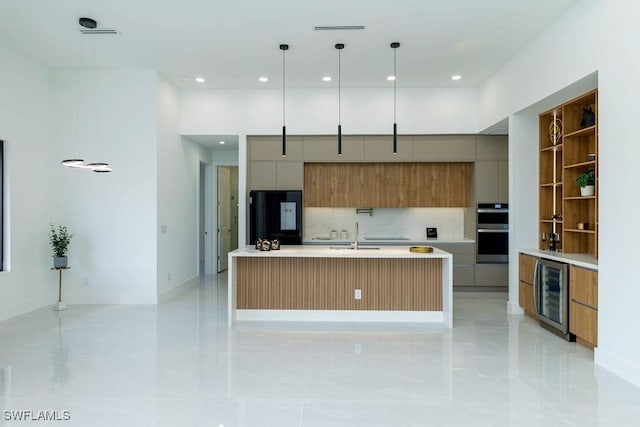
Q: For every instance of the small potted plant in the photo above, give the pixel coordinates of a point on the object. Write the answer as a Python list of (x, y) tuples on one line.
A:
[(586, 181), (59, 239)]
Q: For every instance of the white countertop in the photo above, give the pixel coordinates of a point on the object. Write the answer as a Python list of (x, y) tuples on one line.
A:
[(580, 260), (315, 251)]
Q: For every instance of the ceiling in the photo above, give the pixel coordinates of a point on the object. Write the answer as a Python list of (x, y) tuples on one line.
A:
[(213, 142), (232, 43)]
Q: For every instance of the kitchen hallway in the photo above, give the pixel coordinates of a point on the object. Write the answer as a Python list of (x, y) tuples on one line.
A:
[(177, 363)]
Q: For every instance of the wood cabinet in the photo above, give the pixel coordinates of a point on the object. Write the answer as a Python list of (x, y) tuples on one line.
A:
[(385, 185), (568, 147), (526, 266), (583, 309)]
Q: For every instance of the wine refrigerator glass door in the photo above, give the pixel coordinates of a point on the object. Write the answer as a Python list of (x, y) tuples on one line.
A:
[(553, 294)]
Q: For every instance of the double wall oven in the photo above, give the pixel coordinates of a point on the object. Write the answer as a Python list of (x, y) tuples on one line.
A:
[(492, 240)]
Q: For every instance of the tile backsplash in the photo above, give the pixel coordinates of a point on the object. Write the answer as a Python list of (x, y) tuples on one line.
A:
[(385, 222)]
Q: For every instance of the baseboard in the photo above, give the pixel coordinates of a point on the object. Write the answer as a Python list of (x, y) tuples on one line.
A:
[(172, 292), (623, 368), (110, 298), (514, 308), (19, 310)]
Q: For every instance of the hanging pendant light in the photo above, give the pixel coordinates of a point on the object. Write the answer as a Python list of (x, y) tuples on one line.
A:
[(339, 47), (284, 48), (395, 46), (89, 26)]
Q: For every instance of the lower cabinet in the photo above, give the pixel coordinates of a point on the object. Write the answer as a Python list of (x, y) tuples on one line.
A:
[(583, 310), (492, 274), (463, 261), (525, 298)]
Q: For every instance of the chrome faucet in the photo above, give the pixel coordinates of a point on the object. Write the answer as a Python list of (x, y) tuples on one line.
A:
[(355, 243)]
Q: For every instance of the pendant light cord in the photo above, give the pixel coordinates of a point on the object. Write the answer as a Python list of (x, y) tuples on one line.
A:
[(283, 91)]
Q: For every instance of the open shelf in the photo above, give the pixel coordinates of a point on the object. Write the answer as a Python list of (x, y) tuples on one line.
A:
[(559, 167), (557, 147), (575, 230), (581, 164), (591, 130)]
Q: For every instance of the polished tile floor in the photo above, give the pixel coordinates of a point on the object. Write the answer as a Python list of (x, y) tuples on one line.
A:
[(177, 364)]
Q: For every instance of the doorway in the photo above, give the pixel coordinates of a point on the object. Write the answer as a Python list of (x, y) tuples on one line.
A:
[(227, 214)]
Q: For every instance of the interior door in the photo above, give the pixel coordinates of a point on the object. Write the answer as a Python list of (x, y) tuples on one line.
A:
[(224, 217)]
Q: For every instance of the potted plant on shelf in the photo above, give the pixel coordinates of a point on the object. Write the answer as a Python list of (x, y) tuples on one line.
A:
[(586, 181), (59, 239)]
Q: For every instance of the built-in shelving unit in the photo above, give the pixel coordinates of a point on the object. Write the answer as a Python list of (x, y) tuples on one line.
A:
[(568, 148)]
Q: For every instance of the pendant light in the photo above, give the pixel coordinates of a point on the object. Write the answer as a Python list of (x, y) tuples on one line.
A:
[(395, 46), (89, 26), (284, 48), (339, 47)]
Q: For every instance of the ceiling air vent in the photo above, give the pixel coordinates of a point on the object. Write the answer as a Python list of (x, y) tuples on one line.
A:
[(339, 27), (99, 31)]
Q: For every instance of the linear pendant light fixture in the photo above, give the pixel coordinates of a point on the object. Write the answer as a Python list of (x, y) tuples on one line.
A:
[(395, 46), (284, 48), (89, 26), (339, 47)]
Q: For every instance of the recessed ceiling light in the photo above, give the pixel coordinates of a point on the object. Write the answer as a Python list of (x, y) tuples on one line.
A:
[(263, 79), (200, 79), (326, 79), (391, 78), (221, 142), (456, 77)]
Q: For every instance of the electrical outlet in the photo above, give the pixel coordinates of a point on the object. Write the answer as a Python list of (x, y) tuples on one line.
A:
[(358, 293)]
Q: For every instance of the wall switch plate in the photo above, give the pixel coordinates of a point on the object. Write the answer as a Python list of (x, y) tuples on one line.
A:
[(358, 293)]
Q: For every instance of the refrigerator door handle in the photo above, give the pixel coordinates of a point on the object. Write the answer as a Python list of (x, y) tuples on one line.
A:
[(536, 287)]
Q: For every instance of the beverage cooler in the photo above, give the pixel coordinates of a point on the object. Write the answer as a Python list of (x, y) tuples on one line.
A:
[(275, 215), (551, 297)]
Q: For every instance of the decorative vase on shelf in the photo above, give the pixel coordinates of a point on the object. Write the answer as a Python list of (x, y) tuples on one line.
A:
[(588, 190)]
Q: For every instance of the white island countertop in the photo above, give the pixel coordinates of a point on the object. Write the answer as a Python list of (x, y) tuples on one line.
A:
[(328, 251), (284, 277)]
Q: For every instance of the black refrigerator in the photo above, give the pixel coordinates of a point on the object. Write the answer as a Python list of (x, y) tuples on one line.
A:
[(275, 215)]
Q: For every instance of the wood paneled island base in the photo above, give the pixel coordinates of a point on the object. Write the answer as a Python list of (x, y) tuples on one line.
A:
[(321, 284)]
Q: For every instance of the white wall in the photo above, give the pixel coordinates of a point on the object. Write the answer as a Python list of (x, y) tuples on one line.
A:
[(602, 36), (178, 186), (315, 111), (113, 216), (25, 125)]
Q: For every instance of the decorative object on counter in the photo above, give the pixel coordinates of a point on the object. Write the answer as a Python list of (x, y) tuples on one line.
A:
[(265, 245), (275, 245), (582, 225), (543, 236), (395, 46), (344, 234), (555, 129), (284, 48), (591, 157), (339, 47), (554, 240), (588, 117), (586, 181), (258, 243), (59, 239), (432, 233), (421, 249), (334, 234)]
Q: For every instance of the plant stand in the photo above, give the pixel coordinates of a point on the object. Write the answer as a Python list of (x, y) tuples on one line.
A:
[(60, 305)]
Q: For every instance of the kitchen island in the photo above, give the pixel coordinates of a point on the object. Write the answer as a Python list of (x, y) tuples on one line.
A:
[(323, 283)]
